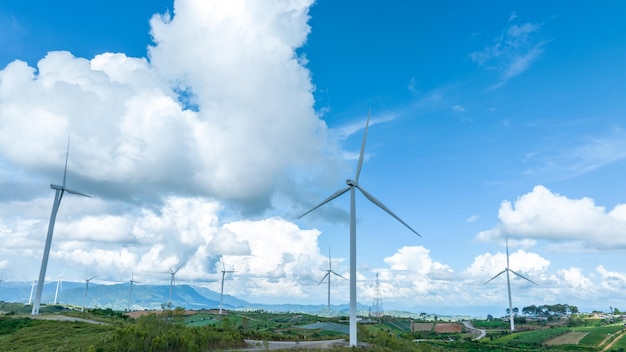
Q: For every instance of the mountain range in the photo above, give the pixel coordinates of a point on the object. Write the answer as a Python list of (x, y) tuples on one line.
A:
[(149, 297)]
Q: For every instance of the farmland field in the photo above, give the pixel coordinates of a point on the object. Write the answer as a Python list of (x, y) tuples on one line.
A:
[(571, 338), (448, 327), (423, 326), (597, 334)]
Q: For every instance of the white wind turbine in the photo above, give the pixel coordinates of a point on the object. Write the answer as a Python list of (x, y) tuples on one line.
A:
[(508, 283), (86, 289), (173, 282), (59, 284), (352, 185), (224, 272), (32, 289), (328, 272), (130, 289), (60, 190)]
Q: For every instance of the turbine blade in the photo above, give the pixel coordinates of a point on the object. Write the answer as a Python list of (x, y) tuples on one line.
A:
[(76, 192), (358, 168), (498, 274), (524, 277), (324, 278), (333, 196), (383, 207), (179, 267), (223, 266), (67, 155), (338, 275)]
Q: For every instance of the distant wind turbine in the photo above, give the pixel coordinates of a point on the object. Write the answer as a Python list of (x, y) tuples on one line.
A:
[(224, 272), (86, 289), (173, 282), (59, 284), (352, 185), (130, 289), (508, 284), (328, 272), (32, 288), (60, 190)]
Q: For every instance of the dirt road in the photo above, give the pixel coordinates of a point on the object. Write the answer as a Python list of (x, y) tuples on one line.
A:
[(471, 328)]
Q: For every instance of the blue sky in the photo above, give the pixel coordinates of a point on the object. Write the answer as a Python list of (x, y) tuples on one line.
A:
[(203, 130)]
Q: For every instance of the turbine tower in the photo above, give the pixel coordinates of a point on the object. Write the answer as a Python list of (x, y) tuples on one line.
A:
[(130, 289), (60, 190), (377, 306), (224, 272), (173, 282), (508, 283), (59, 284), (86, 289), (328, 272), (352, 186), (32, 288)]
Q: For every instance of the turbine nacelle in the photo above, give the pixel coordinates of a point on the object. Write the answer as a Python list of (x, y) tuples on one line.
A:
[(352, 183)]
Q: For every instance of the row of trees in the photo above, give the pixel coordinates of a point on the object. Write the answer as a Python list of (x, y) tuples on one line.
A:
[(549, 310)]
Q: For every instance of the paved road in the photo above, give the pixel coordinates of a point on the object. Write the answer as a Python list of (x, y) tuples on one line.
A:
[(257, 345), (471, 328)]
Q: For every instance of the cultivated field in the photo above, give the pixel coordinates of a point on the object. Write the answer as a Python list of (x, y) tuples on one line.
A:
[(570, 338), (448, 328)]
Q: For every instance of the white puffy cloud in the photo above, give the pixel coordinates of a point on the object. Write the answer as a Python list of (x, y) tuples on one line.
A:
[(485, 266), (612, 280), (543, 215), (223, 108)]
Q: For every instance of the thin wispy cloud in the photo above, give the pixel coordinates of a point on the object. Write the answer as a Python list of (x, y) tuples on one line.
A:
[(567, 160), (513, 52)]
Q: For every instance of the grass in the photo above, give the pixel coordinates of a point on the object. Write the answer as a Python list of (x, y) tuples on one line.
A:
[(597, 334), (620, 344), (48, 335), (20, 333)]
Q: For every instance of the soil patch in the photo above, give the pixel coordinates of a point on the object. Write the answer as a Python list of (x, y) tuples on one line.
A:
[(448, 328)]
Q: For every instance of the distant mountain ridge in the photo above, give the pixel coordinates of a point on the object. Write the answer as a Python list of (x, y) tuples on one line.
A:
[(150, 297)]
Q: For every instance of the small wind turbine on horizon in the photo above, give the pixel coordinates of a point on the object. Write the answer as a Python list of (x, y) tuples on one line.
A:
[(32, 289), (328, 272), (60, 190), (508, 284), (59, 284), (173, 282), (86, 289), (352, 185), (130, 289), (224, 272)]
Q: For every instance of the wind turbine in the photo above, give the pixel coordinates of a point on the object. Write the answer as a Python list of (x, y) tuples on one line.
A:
[(352, 185), (32, 288), (86, 289), (60, 190), (224, 272), (173, 282), (508, 283), (328, 272), (59, 284), (130, 290)]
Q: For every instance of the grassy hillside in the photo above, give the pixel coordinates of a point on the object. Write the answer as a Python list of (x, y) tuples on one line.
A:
[(63, 329)]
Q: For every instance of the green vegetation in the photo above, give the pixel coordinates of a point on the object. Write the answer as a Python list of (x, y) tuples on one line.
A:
[(65, 329)]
